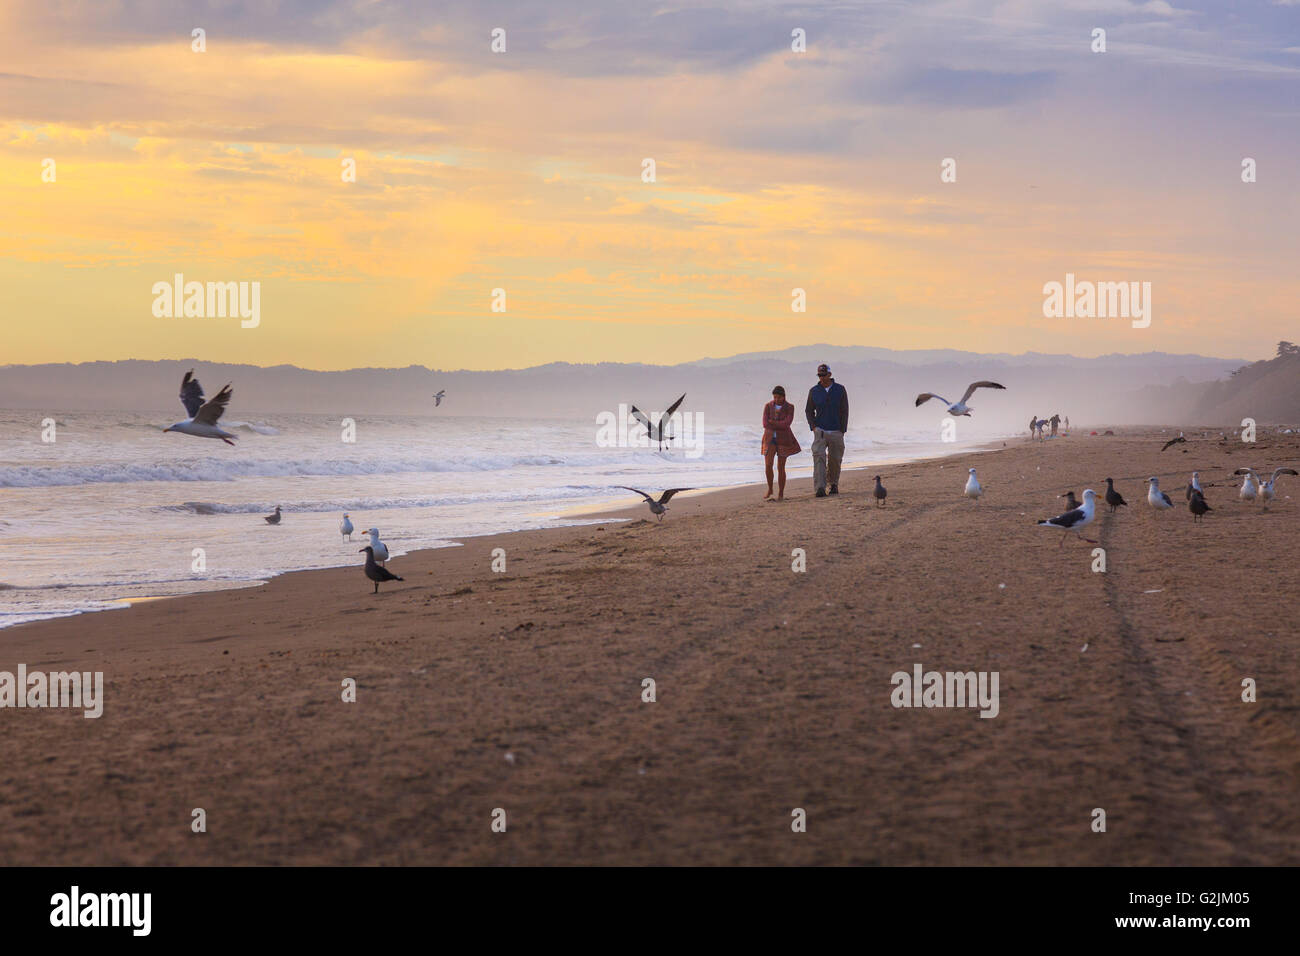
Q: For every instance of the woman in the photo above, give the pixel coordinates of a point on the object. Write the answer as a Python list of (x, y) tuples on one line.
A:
[(778, 440)]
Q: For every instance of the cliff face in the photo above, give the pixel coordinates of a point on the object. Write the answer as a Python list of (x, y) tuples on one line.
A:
[(1267, 391)]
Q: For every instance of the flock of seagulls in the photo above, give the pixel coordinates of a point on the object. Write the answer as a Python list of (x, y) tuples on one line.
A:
[(1079, 515)]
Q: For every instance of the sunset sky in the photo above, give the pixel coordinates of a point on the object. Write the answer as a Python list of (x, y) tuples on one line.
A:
[(522, 170)]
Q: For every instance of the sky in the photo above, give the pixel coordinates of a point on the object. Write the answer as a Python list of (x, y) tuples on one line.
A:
[(522, 171)]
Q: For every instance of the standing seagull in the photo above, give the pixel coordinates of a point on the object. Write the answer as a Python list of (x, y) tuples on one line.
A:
[(656, 431), (374, 572), (973, 489), (1076, 519), (202, 422), (880, 493), (1250, 485), (275, 518), (437, 399), (1194, 485), (1071, 502), (1197, 506), (1156, 498), (957, 408), (377, 547), (660, 506), (346, 529), (1113, 497)]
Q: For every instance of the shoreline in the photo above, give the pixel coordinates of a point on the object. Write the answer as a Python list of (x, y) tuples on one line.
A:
[(585, 512)]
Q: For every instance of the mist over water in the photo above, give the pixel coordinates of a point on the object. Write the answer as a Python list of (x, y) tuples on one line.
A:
[(114, 508)]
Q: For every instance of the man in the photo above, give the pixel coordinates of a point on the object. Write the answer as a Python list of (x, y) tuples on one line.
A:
[(827, 411), (1056, 422)]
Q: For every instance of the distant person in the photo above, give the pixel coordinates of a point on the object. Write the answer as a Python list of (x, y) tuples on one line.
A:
[(828, 417), (1067, 423), (1056, 423), (778, 439), (1033, 422)]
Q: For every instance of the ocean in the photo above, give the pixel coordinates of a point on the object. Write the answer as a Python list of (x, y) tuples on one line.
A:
[(114, 510)]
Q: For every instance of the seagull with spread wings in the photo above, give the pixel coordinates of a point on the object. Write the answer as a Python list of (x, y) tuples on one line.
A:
[(957, 408), (202, 422), (660, 506), (1266, 488), (655, 431)]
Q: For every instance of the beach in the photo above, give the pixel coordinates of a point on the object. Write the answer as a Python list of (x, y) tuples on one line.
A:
[(522, 690)]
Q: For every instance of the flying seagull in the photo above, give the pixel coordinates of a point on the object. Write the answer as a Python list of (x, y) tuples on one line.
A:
[(660, 506), (374, 572), (1173, 441), (1197, 506), (1113, 497), (880, 493), (345, 529), (655, 432), (1156, 498), (1076, 519), (1194, 485), (973, 489), (437, 399), (377, 547), (957, 408), (275, 518), (1071, 502), (202, 422)]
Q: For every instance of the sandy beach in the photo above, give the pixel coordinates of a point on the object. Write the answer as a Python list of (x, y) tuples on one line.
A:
[(523, 690)]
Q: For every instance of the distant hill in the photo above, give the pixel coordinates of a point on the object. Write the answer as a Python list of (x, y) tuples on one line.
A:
[(882, 385), (1267, 391)]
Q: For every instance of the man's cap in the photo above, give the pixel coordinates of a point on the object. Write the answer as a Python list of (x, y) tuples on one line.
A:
[(823, 369)]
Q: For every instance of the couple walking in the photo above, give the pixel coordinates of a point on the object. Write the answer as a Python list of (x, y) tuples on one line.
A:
[(827, 411)]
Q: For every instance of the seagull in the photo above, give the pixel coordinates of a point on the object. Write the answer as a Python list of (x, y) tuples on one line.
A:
[(1076, 519), (1173, 441), (1113, 497), (437, 399), (1249, 485), (1197, 506), (1156, 498), (957, 408), (378, 547), (656, 432), (660, 506), (1194, 485), (880, 493), (202, 422), (374, 572), (275, 518), (1071, 502), (1266, 487), (345, 529), (973, 489)]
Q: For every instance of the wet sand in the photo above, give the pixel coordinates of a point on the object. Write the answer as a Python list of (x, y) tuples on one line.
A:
[(523, 690)]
